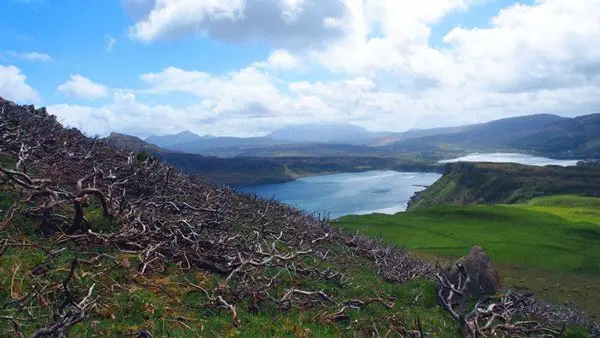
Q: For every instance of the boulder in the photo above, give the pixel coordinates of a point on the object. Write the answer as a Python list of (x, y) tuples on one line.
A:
[(485, 279)]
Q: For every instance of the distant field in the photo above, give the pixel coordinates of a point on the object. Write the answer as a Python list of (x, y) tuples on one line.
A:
[(551, 244)]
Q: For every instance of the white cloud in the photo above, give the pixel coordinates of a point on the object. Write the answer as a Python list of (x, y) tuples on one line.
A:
[(110, 43), (248, 91), (30, 56), (279, 59), (13, 85), (125, 114), (83, 87), (286, 22), (538, 58), (551, 44)]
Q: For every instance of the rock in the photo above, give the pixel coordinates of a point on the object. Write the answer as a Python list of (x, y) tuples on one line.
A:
[(485, 279)]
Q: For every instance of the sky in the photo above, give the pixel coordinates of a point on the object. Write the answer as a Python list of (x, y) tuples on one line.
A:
[(247, 67)]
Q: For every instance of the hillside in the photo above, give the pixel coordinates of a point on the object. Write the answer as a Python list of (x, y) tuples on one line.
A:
[(139, 246), (259, 168), (542, 134), (212, 170), (574, 138), (224, 146), (167, 141), (97, 241), (498, 134), (492, 183), (547, 135), (324, 133), (549, 245), (131, 142)]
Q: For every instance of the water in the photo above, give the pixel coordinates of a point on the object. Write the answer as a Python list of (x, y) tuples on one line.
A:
[(386, 192), (338, 195), (512, 158)]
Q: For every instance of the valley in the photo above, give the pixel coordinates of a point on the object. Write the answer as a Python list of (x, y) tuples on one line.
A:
[(300, 169), (308, 150), (116, 242)]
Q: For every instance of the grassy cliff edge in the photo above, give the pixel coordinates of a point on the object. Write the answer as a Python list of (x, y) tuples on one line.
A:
[(505, 183)]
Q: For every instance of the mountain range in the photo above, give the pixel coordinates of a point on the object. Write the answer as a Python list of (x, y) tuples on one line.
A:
[(167, 141), (543, 134)]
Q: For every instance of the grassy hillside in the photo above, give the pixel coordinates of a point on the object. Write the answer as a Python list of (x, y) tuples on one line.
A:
[(492, 183), (171, 304), (97, 241), (547, 135), (495, 135), (573, 138), (131, 142), (550, 245)]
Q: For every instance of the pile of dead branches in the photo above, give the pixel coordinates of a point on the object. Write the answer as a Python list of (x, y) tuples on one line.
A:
[(497, 315), (164, 216)]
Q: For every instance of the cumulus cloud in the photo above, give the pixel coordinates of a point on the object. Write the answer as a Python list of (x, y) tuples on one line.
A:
[(248, 91), (541, 57), (551, 44), (548, 44), (13, 85), (124, 113), (79, 86), (279, 59), (285, 22)]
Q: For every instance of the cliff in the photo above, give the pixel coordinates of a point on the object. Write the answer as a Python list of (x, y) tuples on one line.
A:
[(505, 183)]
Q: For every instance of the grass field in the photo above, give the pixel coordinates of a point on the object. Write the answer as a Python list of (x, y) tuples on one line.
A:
[(549, 245)]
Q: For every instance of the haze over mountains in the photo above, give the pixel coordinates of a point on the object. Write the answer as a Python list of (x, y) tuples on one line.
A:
[(546, 134)]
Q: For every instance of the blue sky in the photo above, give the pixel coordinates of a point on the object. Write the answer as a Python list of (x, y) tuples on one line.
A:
[(247, 67)]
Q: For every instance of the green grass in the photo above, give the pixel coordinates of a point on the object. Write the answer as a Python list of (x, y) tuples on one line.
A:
[(167, 306), (573, 208), (177, 310), (549, 245), (502, 183)]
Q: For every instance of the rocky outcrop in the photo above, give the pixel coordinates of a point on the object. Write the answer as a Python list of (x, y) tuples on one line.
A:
[(484, 277)]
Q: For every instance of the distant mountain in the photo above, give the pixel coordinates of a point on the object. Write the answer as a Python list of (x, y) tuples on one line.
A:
[(324, 133), (575, 138), (169, 140), (130, 142), (542, 134), (417, 133), (499, 134), (296, 150), (225, 146)]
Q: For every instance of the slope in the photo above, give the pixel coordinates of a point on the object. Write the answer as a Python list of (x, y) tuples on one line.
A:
[(574, 138), (499, 134), (491, 183), (131, 142), (115, 244), (166, 141), (101, 242), (324, 133), (550, 245)]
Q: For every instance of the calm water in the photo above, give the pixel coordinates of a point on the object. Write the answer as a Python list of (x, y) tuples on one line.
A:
[(352, 193), (512, 158), (384, 192)]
